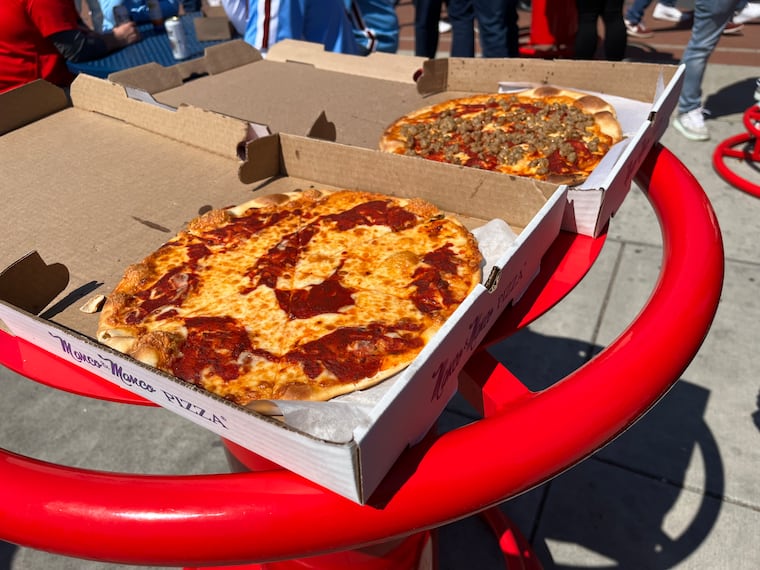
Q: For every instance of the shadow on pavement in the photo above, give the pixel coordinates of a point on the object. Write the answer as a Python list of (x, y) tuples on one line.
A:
[(732, 99), (617, 506)]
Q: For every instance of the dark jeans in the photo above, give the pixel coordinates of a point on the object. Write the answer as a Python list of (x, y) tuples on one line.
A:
[(587, 38), (426, 16), (497, 26)]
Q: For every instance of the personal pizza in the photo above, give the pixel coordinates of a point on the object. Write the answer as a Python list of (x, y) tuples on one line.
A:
[(305, 295), (545, 133)]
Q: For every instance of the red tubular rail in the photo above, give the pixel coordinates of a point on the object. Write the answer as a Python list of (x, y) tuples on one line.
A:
[(253, 517)]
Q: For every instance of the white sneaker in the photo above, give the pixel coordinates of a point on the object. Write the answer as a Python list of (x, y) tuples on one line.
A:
[(669, 13), (443, 27), (692, 125), (750, 12), (638, 30)]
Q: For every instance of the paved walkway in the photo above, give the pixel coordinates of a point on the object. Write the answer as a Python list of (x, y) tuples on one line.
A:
[(678, 490)]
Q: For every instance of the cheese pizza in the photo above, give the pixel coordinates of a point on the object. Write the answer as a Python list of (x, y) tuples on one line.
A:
[(305, 295)]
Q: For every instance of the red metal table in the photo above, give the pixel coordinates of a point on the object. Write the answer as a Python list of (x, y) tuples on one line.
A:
[(276, 515), (744, 147)]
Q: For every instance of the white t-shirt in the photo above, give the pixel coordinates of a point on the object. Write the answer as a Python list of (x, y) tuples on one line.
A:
[(237, 12)]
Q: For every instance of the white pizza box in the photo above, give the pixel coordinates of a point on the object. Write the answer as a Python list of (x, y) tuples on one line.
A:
[(351, 99), (134, 173)]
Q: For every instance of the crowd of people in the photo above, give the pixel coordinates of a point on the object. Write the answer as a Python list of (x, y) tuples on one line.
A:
[(38, 37)]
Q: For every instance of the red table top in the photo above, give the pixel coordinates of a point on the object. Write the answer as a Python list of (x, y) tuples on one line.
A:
[(231, 518)]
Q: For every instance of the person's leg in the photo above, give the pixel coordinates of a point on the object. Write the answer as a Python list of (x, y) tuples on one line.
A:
[(492, 27), (586, 36), (462, 18), (615, 36), (710, 16), (426, 16), (513, 28), (635, 12)]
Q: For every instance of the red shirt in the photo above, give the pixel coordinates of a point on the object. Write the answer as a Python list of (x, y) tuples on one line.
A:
[(26, 53)]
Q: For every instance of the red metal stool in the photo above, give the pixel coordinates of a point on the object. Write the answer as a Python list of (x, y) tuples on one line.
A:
[(553, 25), (749, 152), (275, 515)]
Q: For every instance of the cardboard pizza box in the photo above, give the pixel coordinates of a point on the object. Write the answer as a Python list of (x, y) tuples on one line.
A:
[(644, 96), (358, 97), (213, 24), (127, 174)]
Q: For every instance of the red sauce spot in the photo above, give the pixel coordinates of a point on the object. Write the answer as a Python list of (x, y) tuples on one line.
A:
[(431, 290), (171, 289), (279, 260), (326, 297), (248, 225), (354, 353), (557, 164), (373, 213), (213, 344)]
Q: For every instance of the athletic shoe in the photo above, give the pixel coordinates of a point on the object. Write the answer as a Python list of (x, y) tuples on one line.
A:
[(750, 12), (668, 13), (443, 27), (757, 90), (638, 30), (692, 125), (733, 28)]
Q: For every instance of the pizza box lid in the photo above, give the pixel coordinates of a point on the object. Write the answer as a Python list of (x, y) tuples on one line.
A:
[(136, 172), (234, 79), (30, 102)]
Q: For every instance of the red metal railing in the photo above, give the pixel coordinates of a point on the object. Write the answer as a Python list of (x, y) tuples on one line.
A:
[(273, 515)]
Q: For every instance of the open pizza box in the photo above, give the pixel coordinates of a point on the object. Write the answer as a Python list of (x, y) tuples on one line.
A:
[(644, 96), (97, 183), (352, 99), (213, 24)]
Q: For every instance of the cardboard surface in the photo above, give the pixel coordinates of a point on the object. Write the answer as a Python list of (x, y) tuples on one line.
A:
[(291, 95), (150, 169), (214, 25), (26, 104), (353, 100)]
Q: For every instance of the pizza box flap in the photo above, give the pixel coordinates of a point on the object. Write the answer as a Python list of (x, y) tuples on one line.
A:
[(307, 91), (31, 284), (207, 130), (28, 103), (377, 65), (154, 77), (466, 192), (604, 77)]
